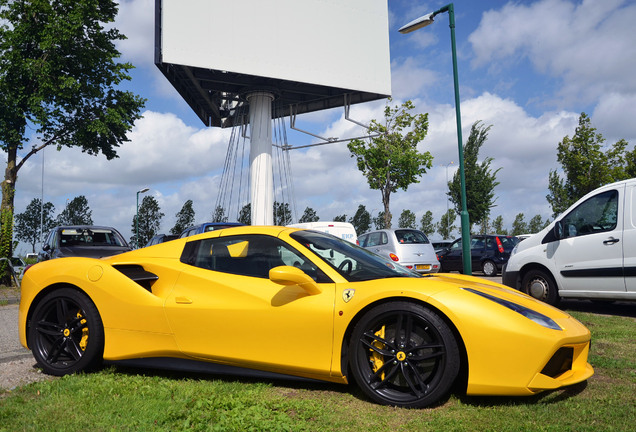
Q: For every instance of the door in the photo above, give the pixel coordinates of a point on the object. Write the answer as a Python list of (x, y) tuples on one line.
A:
[(225, 308), (629, 240), (589, 256)]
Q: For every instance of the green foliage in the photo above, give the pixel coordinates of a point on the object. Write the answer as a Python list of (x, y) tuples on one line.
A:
[(519, 225), (185, 218), (426, 223), (380, 221), (407, 219), (76, 212), (219, 214), (361, 221), (282, 214), (149, 221), (391, 161), (34, 222), (586, 165), (445, 226), (340, 218), (245, 214), (536, 224), (497, 226), (480, 178), (309, 216), (60, 81)]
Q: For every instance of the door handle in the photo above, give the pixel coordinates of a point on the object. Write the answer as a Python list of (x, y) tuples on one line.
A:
[(611, 241), (183, 300)]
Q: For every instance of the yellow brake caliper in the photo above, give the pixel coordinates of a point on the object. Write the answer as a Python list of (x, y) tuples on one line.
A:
[(84, 340), (377, 359)]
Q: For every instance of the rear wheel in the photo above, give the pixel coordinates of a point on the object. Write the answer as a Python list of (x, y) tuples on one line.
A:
[(404, 354), (540, 285), (489, 268), (66, 333)]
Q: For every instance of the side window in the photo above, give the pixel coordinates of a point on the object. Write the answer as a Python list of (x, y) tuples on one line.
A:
[(385, 238), (374, 239), (477, 243), (248, 255), (490, 243), (597, 214), (363, 240)]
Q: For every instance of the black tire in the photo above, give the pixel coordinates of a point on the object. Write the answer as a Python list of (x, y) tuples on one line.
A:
[(403, 354), (489, 268), (66, 334), (540, 285)]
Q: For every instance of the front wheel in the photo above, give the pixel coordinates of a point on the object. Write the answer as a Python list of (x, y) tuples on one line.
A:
[(404, 354), (66, 333), (540, 285)]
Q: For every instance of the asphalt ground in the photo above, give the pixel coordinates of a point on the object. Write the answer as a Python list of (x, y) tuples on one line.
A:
[(10, 348)]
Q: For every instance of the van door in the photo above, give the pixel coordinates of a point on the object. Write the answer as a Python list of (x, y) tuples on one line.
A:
[(589, 255), (629, 239)]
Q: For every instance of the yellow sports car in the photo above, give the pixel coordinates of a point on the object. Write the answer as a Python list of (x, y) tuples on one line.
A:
[(276, 300)]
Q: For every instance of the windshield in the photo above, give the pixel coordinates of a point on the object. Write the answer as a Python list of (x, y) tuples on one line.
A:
[(352, 262), (90, 237)]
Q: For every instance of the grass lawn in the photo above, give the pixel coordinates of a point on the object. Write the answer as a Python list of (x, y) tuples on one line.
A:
[(117, 399)]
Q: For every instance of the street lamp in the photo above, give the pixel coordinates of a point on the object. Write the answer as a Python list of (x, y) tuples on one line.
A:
[(412, 26), (144, 190)]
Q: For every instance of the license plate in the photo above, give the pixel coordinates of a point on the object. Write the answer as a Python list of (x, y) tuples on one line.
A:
[(422, 267)]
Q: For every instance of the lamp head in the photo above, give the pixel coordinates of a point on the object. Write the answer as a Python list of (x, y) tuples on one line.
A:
[(418, 23)]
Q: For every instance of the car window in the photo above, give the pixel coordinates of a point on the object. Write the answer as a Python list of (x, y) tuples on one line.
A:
[(477, 243), (411, 237), (89, 237), (248, 255), (375, 239), (363, 240), (597, 214)]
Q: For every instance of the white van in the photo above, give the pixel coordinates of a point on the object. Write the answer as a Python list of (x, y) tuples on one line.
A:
[(587, 252), (344, 230)]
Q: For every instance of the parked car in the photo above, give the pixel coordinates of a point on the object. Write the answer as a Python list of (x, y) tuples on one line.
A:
[(489, 253), (161, 238), (18, 265), (404, 339), (82, 241), (587, 252), (208, 226), (407, 247), (441, 245), (344, 230)]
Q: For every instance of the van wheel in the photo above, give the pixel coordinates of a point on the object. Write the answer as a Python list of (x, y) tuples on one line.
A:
[(489, 268), (540, 285)]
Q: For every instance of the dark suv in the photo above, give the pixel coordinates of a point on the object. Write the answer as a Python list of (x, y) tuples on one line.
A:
[(489, 253)]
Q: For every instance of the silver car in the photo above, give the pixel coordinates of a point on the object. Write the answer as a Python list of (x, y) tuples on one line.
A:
[(407, 247)]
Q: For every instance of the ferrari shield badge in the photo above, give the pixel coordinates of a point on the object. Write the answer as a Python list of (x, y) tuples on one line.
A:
[(348, 295)]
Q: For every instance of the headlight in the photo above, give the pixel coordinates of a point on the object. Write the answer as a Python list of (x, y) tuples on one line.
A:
[(514, 249), (526, 312)]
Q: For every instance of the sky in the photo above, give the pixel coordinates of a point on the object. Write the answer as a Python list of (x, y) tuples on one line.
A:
[(528, 68)]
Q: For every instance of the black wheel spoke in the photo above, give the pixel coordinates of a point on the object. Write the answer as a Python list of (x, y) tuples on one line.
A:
[(409, 372), (380, 382), (73, 349), (49, 328), (375, 338)]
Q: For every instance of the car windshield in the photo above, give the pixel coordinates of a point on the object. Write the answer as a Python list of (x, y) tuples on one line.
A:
[(90, 237), (352, 262)]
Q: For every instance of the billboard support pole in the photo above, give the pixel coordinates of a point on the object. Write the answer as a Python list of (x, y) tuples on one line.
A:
[(261, 177)]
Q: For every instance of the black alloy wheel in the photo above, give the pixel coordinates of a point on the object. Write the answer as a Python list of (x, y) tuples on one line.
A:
[(66, 333), (404, 354)]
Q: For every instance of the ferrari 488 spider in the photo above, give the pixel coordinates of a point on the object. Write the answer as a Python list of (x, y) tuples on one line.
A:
[(275, 300)]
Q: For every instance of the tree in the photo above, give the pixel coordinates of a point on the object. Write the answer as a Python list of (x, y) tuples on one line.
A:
[(309, 216), (519, 226), (185, 218), (245, 214), (586, 166), (282, 214), (480, 178), (407, 219), (380, 221), (340, 218), (390, 160), (497, 226), (485, 226), (445, 226), (59, 80), (426, 223), (37, 219), (219, 214), (149, 221), (361, 221), (536, 224), (76, 212)]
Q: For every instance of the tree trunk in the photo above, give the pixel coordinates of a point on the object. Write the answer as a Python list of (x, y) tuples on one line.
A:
[(6, 214)]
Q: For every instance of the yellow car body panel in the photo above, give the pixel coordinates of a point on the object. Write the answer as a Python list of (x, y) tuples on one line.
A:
[(256, 323)]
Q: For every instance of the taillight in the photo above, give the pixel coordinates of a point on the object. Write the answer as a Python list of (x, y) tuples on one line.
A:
[(499, 245), (394, 257)]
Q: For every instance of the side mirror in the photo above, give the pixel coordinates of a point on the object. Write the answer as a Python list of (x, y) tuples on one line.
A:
[(288, 275), (46, 247)]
